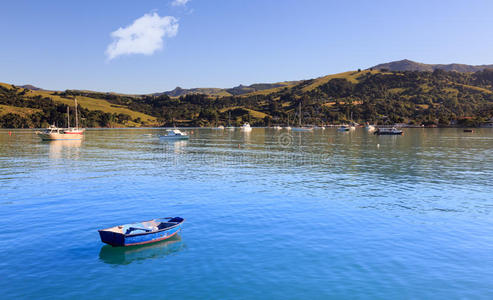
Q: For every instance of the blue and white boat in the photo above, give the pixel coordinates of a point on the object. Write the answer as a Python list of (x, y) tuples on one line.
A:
[(142, 232), (344, 128), (388, 131), (175, 134)]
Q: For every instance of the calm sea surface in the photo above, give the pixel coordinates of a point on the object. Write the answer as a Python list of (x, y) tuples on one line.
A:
[(269, 215)]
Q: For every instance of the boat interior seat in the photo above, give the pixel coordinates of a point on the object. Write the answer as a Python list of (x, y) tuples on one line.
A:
[(165, 225)]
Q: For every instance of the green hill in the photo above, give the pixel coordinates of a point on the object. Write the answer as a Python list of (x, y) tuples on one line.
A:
[(380, 96)]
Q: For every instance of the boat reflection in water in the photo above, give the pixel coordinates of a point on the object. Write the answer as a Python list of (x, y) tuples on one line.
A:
[(64, 148), (126, 255), (175, 146)]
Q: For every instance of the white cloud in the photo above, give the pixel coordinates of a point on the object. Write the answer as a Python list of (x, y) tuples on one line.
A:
[(144, 36), (179, 2)]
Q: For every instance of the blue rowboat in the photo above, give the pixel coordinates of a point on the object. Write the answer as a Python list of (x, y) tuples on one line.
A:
[(141, 232)]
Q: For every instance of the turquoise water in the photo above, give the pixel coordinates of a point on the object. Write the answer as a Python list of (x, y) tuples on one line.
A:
[(269, 215)]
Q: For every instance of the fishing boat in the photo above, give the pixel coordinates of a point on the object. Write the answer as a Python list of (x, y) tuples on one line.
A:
[(300, 127), (246, 127), (388, 131), (141, 232), (53, 133), (175, 134)]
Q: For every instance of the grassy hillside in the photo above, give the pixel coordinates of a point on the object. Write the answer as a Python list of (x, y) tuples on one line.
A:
[(96, 104), (384, 97), (27, 103), (22, 111)]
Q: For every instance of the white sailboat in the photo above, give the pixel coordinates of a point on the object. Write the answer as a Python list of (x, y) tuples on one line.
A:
[(230, 127), (301, 128), (53, 133)]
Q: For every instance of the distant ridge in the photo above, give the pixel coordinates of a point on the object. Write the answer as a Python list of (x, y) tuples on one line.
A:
[(31, 87), (409, 65), (235, 91)]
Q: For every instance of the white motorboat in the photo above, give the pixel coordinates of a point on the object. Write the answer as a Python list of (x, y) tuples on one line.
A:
[(277, 127), (175, 134), (370, 128), (246, 127), (302, 129), (344, 128), (388, 131)]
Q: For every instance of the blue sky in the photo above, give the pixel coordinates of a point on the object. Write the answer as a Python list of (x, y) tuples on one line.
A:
[(205, 43)]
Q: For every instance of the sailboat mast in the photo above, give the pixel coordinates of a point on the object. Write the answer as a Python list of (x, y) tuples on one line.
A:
[(299, 114), (76, 119), (68, 117)]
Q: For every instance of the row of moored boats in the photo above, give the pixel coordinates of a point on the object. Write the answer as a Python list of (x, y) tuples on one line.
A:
[(75, 133)]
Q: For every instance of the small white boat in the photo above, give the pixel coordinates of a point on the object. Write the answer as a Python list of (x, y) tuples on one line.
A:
[(302, 128), (344, 128), (288, 128), (220, 127), (175, 134), (388, 131), (230, 127), (370, 128), (246, 127), (277, 127)]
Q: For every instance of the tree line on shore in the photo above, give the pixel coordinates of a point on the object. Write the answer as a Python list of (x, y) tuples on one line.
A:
[(413, 97)]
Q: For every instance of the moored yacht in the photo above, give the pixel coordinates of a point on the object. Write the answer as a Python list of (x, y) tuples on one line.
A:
[(53, 133), (246, 127), (388, 131), (175, 134), (369, 128), (300, 127)]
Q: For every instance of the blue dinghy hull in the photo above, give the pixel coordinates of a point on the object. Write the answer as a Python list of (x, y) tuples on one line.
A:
[(142, 232)]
